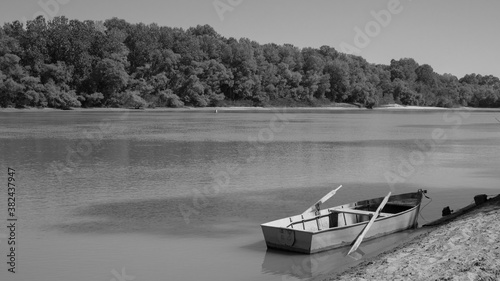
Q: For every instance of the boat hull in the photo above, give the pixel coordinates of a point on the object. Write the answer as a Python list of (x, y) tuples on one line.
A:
[(308, 235)]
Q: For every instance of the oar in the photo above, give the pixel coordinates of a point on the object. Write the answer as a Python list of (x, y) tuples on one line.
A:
[(360, 237), (316, 205)]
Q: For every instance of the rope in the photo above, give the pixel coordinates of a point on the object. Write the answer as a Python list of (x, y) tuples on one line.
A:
[(425, 206)]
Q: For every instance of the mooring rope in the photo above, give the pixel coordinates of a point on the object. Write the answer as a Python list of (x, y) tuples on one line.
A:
[(425, 206)]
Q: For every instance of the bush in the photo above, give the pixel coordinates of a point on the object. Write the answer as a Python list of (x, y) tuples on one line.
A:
[(167, 98), (201, 101), (58, 98), (34, 98), (93, 100), (133, 99)]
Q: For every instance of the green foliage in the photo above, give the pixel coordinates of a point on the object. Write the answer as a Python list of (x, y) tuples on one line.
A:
[(59, 73), (404, 94), (65, 63), (132, 99), (33, 94), (169, 99), (92, 100), (109, 76), (57, 97)]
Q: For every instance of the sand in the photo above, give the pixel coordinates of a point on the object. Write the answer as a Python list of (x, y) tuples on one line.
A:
[(336, 107), (466, 248)]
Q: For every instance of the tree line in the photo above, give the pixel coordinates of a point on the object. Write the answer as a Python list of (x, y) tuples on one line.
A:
[(64, 63)]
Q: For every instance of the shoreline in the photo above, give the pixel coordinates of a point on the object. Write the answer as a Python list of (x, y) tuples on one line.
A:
[(242, 109), (466, 247)]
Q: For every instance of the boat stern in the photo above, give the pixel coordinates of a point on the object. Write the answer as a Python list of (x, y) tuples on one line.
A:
[(284, 238)]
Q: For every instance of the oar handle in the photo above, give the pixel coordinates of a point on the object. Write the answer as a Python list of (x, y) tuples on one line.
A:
[(316, 206)]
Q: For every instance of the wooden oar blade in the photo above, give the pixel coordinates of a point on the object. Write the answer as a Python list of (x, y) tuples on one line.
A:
[(360, 237), (357, 255), (321, 201)]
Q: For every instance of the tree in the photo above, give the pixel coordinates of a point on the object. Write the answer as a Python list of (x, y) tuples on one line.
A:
[(8, 44), (425, 74), (10, 90), (214, 77), (59, 72), (11, 74), (339, 79), (33, 94), (109, 76), (35, 45), (164, 60), (168, 98), (404, 69), (60, 98), (62, 63), (404, 95), (364, 93), (195, 92), (132, 99)]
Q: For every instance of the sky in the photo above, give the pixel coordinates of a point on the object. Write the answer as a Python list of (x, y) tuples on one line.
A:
[(453, 36)]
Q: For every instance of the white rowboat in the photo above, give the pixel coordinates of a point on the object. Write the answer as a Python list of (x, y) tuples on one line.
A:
[(319, 230)]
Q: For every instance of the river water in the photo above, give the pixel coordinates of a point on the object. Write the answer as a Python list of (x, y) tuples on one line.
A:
[(180, 195)]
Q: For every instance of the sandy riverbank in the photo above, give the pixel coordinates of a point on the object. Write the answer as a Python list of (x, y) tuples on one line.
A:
[(467, 248), (338, 107)]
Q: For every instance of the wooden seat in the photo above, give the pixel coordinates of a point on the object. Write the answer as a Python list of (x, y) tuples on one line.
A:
[(356, 212)]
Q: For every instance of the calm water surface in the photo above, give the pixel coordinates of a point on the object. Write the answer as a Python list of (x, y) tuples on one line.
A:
[(180, 195)]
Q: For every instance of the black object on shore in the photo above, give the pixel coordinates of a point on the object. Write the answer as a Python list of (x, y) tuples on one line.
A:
[(480, 199), (446, 211)]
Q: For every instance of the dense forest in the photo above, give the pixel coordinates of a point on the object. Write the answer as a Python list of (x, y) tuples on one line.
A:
[(65, 63)]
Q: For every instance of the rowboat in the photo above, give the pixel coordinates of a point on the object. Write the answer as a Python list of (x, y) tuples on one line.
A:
[(318, 230)]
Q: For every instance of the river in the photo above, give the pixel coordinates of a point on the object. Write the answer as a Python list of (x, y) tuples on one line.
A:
[(180, 195)]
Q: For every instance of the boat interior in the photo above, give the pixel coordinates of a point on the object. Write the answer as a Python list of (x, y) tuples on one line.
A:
[(346, 215)]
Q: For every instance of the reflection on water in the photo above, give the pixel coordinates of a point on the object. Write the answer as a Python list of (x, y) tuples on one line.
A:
[(303, 266), (119, 205)]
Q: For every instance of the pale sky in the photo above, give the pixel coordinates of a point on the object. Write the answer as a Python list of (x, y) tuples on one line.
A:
[(453, 36)]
